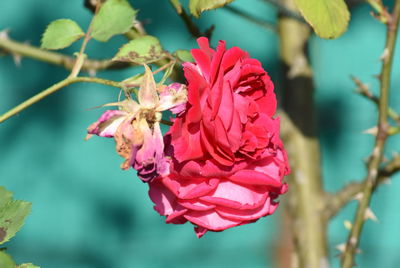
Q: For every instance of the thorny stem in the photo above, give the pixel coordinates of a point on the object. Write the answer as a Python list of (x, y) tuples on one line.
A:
[(55, 88), (364, 91), (377, 153), (335, 202)]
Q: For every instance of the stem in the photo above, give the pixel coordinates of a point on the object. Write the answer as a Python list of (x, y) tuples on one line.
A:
[(337, 201), (305, 198), (284, 10), (51, 90), (364, 91), (265, 24), (81, 56), (377, 154), (55, 58)]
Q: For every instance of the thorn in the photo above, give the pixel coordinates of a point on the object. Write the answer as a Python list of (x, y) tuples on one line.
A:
[(387, 181), (384, 55), (4, 34), (369, 214), (92, 72), (358, 196), (341, 247), (17, 59), (373, 131), (347, 224), (385, 160)]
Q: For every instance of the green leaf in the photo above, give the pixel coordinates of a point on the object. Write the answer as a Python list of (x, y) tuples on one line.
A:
[(12, 215), (196, 7), (61, 34), (184, 55), (28, 265), (145, 49), (114, 17), (329, 18), (6, 261), (177, 5)]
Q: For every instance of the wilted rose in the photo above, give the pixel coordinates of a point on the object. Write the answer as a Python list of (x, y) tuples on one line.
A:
[(227, 160), (136, 126)]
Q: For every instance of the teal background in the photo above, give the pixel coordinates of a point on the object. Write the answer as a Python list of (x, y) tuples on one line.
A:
[(88, 213)]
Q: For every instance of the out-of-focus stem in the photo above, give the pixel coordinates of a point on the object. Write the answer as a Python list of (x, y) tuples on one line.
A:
[(305, 197), (377, 152)]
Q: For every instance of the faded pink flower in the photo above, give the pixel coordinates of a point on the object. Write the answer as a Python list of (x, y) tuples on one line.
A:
[(227, 161), (136, 128)]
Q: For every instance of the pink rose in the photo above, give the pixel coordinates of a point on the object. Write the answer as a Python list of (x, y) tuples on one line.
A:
[(227, 160)]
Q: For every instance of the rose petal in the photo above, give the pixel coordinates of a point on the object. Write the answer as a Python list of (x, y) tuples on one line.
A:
[(230, 194), (255, 178), (210, 220), (246, 215), (107, 124)]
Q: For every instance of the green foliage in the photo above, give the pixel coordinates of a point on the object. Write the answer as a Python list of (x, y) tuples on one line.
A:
[(177, 5), (329, 18), (114, 17), (184, 55), (6, 261), (196, 7), (61, 34), (145, 49), (12, 215)]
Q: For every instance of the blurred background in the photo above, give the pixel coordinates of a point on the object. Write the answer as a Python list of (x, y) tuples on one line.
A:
[(87, 213)]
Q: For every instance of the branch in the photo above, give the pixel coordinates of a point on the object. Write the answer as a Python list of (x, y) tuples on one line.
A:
[(335, 202), (287, 12), (363, 89), (347, 259), (304, 200), (52, 89), (25, 50), (190, 25), (265, 24)]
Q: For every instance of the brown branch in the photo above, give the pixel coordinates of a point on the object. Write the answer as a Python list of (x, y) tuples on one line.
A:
[(305, 197)]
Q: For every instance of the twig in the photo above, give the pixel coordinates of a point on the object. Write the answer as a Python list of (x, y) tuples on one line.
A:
[(364, 91), (347, 259), (80, 59), (190, 25), (335, 202), (52, 89), (25, 50), (265, 24), (287, 12)]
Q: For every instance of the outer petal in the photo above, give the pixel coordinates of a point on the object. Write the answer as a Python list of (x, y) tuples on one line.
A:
[(107, 124), (232, 195), (210, 220)]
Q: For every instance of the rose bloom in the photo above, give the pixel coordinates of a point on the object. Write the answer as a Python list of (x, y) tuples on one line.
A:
[(227, 161)]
